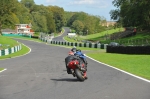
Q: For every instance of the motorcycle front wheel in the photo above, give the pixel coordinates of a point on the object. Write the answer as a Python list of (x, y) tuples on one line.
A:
[(79, 74)]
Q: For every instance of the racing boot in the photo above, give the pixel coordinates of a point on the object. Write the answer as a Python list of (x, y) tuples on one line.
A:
[(85, 76), (82, 68), (68, 70)]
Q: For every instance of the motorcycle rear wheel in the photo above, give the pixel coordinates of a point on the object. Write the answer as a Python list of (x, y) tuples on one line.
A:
[(79, 75)]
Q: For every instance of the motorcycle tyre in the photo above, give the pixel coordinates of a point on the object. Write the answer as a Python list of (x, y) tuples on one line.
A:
[(79, 75)]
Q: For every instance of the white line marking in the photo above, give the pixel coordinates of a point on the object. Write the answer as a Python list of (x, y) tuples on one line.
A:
[(3, 70), (121, 70)]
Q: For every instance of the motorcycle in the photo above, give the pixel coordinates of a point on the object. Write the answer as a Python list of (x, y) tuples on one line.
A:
[(76, 69)]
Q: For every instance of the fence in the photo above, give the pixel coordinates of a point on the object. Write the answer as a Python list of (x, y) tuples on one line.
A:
[(45, 37), (10, 50), (87, 45)]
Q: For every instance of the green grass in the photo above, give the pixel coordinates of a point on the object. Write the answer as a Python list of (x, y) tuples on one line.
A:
[(6, 42), (140, 35), (93, 37), (141, 38), (135, 64), (73, 39), (1, 69), (97, 35), (27, 38), (11, 42)]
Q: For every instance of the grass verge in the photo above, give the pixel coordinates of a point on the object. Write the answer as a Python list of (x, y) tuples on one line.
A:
[(26, 38), (93, 37), (135, 64), (97, 35), (1, 69), (6, 42)]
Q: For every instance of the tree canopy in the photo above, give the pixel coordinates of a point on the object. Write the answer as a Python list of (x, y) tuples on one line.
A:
[(132, 13), (48, 19)]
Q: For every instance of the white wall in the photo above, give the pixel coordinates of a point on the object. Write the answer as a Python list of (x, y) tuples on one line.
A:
[(71, 34)]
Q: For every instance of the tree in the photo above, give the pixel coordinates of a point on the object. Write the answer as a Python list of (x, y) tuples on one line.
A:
[(50, 22), (39, 22), (67, 16), (58, 14), (132, 13), (23, 14), (90, 22), (28, 3), (78, 26), (47, 14), (7, 14)]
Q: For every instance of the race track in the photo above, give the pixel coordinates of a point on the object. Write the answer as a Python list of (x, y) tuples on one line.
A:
[(41, 74)]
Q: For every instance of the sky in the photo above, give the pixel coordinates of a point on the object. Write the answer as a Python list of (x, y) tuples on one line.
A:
[(92, 7)]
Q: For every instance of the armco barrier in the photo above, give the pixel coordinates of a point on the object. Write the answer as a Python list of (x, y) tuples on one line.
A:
[(10, 50)]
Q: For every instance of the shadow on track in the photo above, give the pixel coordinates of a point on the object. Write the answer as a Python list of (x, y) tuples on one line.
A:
[(66, 79)]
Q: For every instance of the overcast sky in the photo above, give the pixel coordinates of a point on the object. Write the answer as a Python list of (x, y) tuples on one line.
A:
[(93, 7)]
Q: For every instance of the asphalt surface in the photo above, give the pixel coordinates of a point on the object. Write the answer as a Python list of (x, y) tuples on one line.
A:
[(41, 74), (60, 38)]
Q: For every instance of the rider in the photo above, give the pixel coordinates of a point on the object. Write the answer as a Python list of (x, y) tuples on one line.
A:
[(74, 49), (79, 53), (81, 56), (76, 54), (72, 54), (69, 58)]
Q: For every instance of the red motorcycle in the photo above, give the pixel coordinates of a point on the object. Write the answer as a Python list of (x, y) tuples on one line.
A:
[(76, 69)]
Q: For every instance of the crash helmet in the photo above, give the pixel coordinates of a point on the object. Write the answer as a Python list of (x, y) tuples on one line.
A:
[(74, 49), (71, 53)]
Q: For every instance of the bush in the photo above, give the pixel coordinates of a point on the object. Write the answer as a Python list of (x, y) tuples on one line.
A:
[(35, 37)]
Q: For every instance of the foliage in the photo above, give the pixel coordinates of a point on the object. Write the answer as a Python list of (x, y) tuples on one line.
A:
[(89, 24), (50, 23), (132, 13), (48, 19), (78, 26), (68, 15), (28, 3), (40, 21), (7, 14), (58, 14)]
